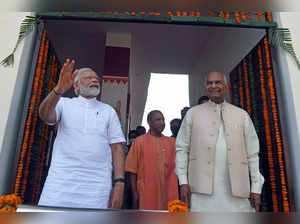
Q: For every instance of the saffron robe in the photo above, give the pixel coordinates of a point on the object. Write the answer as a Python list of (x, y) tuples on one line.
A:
[(152, 159)]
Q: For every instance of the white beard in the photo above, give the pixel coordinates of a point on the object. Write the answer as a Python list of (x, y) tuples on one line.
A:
[(89, 91)]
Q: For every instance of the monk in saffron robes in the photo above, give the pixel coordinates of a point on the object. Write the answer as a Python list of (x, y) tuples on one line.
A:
[(151, 164)]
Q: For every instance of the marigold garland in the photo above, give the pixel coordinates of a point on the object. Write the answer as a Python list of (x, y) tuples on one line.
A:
[(220, 14), (269, 16), (237, 17), (31, 166), (243, 16), (35, 118), (253, 88), (267, 131), (245, 69), (241, 87), (177, 206), (210, 14), (276, 125), (250, 16), (24, 148), (9, 203), (260, 16)]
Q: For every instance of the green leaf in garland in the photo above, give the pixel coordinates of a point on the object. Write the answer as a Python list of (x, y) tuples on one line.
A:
[(26, 28), (282, 37)]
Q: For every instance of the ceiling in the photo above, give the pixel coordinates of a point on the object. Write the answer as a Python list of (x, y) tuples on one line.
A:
[(161, 48)]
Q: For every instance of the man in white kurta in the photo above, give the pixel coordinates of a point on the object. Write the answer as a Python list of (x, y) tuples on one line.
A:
[(221, 198), (80, 175)]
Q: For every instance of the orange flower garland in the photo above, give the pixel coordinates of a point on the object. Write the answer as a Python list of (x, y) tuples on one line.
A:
[(35, 118), (210, 13), (24, 148), (267, 131), (220, 14), (9, 203), (170, 13), (247, 88), (250, 16), (269, 16), (237, 17), (31, 165), (227, 15), (276, 126), (243, 16), (241, 87), (253, 88), (177, 206), (260, 16)]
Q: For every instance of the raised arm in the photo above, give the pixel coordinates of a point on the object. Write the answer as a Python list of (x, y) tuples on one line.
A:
[(66, 77)]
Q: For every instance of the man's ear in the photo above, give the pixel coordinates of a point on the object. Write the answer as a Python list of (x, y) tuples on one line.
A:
[(226, 88), (76, 85)]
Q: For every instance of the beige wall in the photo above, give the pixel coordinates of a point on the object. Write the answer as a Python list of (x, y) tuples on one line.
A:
[(9, 23)]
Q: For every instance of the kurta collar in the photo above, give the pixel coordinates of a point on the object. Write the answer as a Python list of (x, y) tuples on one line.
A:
[(213, 104), (84, 100)]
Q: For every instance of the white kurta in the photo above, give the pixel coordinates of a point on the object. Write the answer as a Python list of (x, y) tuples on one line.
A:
[(222, 200), (80, 175)]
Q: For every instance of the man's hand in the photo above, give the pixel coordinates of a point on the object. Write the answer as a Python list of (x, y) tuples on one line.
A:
[(66, 76), (255, 201), (185, 193), (116, 198)]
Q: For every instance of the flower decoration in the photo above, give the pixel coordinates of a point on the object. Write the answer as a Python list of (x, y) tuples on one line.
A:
[(177, 206), (9, 203), (253, 89)]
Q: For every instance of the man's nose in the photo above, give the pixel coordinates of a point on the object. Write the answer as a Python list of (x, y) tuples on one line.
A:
[(94, 79)]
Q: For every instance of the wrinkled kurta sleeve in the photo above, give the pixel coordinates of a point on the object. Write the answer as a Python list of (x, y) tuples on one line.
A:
[(183, 148), (252, 145), (115, 134)]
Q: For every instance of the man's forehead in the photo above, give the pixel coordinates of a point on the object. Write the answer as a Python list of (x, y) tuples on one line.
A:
[(88, 72), (215, 76), (157, 114)]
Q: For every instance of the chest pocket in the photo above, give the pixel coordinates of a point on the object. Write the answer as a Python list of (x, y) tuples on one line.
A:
[(97, 123)]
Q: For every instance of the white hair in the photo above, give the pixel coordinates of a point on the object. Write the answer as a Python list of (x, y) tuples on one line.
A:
[(225, 77), (77, 77)]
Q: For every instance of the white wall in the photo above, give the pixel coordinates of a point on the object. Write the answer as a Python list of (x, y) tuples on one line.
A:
[(291, 20), (288, 76), (226, 47), (9, 23)]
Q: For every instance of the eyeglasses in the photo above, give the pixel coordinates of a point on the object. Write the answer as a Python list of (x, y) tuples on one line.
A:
[(89, 78)]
